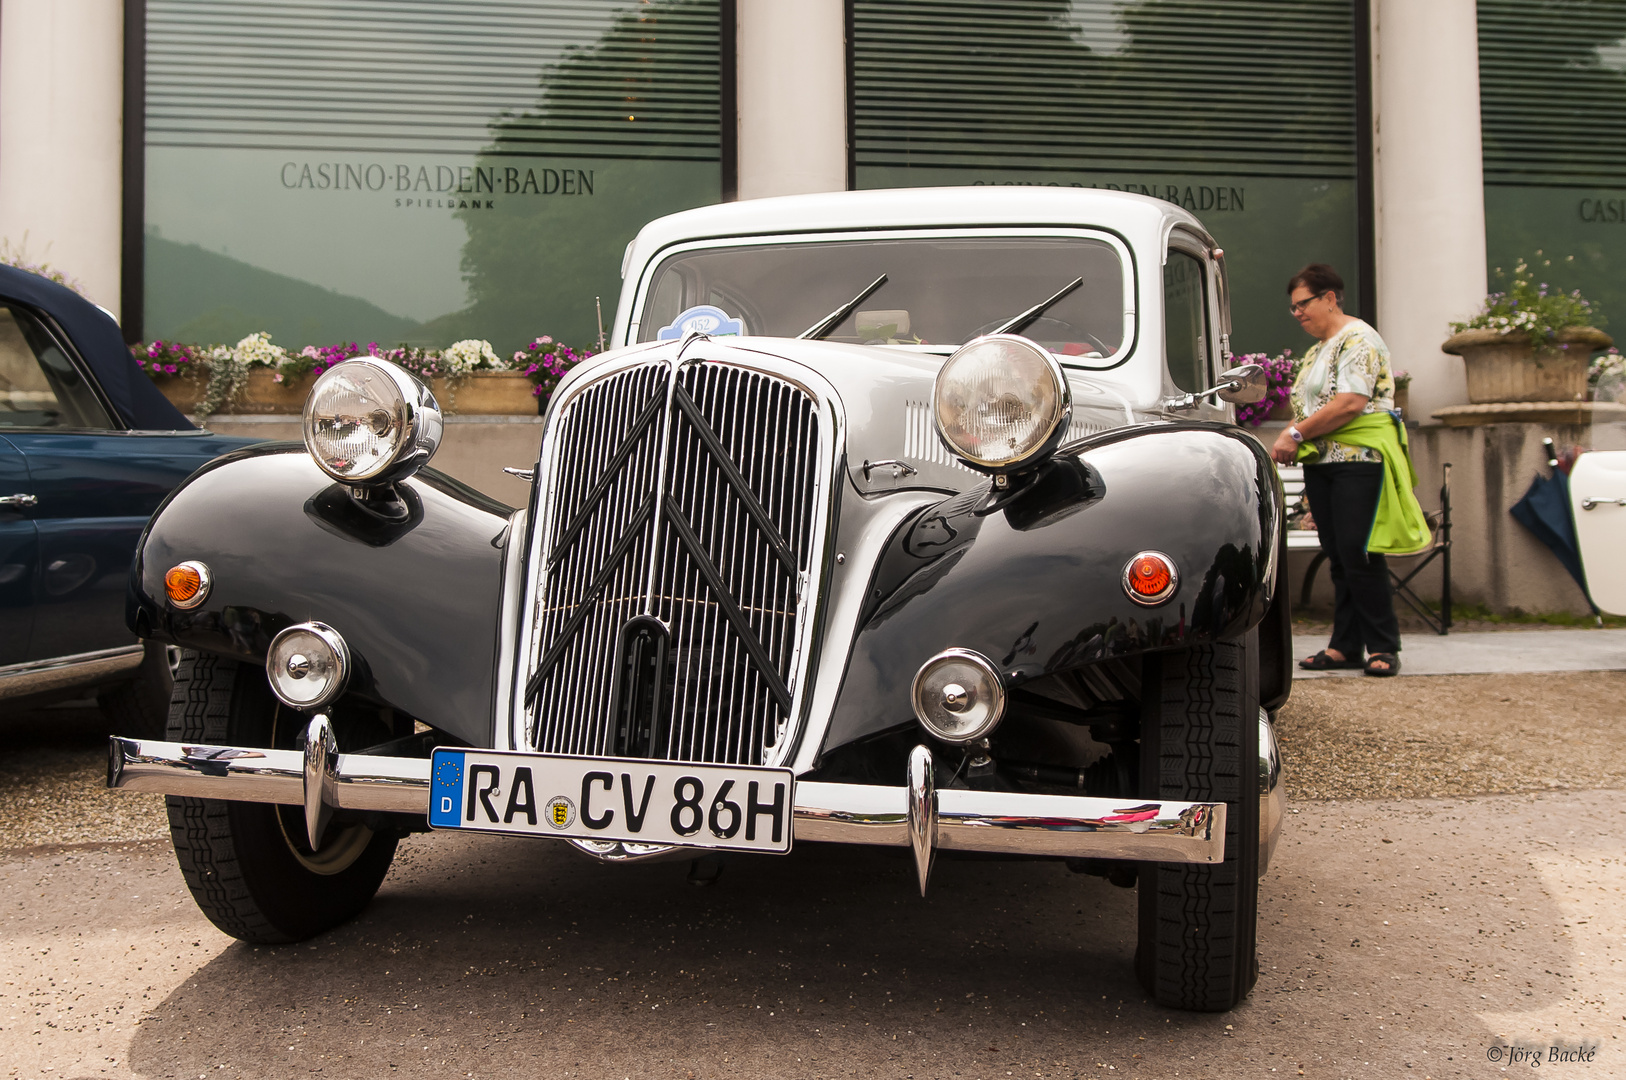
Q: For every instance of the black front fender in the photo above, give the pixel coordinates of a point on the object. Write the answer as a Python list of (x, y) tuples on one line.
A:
[(414, 584), (1036, 584)]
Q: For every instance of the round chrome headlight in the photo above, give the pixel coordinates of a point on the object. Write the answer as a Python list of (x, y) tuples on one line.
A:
[(369, 422), (959, 695), (1001, 401), (308, 664)]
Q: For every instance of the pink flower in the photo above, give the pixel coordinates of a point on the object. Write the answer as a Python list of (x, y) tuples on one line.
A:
[(277, 377)]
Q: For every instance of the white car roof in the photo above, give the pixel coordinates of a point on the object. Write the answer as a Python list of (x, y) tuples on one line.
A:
[(1133, 215)]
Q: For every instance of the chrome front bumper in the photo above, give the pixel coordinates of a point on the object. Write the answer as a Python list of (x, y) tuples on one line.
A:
[(915, 815)]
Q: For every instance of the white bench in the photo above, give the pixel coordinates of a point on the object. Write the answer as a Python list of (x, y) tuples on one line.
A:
[(1308, 540)]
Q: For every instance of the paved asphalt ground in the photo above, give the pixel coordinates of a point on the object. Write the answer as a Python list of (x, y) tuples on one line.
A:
[(1415, 937)]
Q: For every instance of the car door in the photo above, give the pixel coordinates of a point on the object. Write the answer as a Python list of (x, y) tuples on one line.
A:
[(19, 550), (94, 485), (1598, 501), (1189, 340)]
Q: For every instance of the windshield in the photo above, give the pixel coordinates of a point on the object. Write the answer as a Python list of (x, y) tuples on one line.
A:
[(940, 291)]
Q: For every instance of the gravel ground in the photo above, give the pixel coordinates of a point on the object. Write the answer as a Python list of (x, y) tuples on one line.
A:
[(1453, 735), (52, 779), (1341, 738)]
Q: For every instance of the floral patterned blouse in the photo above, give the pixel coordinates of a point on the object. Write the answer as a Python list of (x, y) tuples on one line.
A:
[(1355, 361)]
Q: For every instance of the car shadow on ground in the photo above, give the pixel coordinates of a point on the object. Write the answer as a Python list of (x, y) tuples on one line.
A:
[(483, 955), (481, 951)]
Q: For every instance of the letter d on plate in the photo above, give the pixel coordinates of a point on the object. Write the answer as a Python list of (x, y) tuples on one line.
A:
[(446, 775)]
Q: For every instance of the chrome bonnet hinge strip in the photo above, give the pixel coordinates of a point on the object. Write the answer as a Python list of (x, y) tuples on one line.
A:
[(662, 464)]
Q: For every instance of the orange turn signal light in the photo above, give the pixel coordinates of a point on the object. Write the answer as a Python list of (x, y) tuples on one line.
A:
[(187, 584), (1150, 578)]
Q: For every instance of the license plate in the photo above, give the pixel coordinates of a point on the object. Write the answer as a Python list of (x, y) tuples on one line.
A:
[(738, 807)]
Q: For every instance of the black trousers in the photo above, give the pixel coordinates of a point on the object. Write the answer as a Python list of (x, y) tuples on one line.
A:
[(1343, 500)]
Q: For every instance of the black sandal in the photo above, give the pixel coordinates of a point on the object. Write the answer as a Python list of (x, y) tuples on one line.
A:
[(1322, 662), (1383, 657)]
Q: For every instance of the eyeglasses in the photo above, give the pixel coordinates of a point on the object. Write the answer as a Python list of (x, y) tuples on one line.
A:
[(1299, 307)]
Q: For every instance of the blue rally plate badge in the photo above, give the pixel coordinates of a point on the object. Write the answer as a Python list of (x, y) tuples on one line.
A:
[(703, 319), (735, 807)]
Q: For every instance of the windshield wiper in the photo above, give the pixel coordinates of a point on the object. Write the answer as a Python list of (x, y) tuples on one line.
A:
[(1031, 315), (817, 331)]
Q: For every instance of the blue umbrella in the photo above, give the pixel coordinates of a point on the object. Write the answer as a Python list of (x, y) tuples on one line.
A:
[(1545, 511)]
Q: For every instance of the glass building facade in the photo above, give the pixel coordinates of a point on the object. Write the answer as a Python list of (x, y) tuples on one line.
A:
[(1552, 78), (1242, 112), (415, 170), (426, 170)]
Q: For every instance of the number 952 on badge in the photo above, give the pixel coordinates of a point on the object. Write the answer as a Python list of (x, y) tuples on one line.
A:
[(738, 807)]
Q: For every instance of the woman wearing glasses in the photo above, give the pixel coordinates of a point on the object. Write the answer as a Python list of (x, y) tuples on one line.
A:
[(1342, 430)]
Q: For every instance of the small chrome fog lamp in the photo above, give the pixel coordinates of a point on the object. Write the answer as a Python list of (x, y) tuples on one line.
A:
[(308, 664), (369, 422), (1001, 402), (959, 696)]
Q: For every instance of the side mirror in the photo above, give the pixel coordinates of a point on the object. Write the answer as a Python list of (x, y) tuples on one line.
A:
[(1243, 385)]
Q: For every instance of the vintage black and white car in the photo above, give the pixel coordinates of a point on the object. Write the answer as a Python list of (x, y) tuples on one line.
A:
[(912, 518)]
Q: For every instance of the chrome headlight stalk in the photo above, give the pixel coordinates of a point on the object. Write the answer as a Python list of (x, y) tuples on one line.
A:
[(1001, 404), (959, 696), (369, 423), (308, 665)]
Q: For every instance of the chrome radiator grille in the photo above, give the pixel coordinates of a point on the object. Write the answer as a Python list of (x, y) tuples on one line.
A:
[(676, 547)]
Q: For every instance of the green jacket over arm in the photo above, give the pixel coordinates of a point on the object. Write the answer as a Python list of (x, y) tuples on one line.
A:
[(1399, 527)]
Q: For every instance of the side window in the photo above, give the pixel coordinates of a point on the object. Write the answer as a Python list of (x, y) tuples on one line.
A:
[(1185, 321), (39, 386)]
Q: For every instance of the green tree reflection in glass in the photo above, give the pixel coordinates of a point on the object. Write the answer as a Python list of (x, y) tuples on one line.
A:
[(624, 131)]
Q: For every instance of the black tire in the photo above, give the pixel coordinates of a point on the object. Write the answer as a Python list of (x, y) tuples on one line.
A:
[(249, 865), (1196, 946), (140, 708)]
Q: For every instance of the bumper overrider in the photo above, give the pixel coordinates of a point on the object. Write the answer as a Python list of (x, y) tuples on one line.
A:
[(916, 815)]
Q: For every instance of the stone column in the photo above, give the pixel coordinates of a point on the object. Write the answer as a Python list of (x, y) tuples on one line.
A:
[(792, 71), (61, 124), (1430, 188)]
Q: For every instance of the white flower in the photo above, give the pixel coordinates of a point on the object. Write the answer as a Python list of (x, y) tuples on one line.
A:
[(472, 354), (256, 350)]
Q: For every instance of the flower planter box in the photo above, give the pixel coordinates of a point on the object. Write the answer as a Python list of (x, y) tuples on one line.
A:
[(1403, 401), (183, 391), (262, 393), (491, 393), (497, 393), (1282, 411), (1504, 368)]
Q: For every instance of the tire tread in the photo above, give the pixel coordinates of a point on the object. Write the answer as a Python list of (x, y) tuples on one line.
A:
[(200, 829), (1197, 937)]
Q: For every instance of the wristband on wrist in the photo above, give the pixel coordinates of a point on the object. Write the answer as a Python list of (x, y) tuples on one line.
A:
[(1295, 434)]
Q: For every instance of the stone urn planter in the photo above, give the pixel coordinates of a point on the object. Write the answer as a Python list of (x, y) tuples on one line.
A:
[(1282, 411), (492, 393), (1402, 400), (1504, 367)]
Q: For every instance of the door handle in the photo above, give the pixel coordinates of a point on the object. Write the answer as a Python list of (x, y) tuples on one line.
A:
[(1587, 503), (19, 500)]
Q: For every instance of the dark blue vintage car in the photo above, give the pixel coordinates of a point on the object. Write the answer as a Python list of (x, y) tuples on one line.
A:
[(88, 449)]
